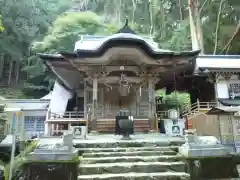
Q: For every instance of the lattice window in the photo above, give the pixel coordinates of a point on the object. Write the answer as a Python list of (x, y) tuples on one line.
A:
[(234, 91), (235, 88), (34, 125)]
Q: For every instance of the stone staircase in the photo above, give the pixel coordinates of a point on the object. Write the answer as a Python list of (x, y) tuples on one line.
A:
[(132, 161)]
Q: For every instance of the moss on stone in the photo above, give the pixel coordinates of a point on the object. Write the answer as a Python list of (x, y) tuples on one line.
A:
[(75, 159)]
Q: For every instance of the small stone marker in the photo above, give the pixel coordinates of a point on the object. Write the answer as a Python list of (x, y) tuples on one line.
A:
[(68, 141)]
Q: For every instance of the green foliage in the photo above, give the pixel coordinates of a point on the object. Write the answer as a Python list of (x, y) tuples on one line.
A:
[(19, 160), (66, 30), (61, 37), (175, 100), (168, 20), (10, 93), (1, 24)]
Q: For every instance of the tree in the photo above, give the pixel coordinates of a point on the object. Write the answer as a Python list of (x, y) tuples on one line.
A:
[(61, 37), (167, 21), (21, 30)]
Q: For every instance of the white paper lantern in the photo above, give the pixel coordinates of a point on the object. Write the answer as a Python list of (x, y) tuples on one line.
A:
[(173, 114)]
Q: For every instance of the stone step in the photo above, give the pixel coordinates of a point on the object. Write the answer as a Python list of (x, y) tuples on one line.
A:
[(119, 159), (137, 176), (127, 167), (128, 153), (127, 143), (119, 149)]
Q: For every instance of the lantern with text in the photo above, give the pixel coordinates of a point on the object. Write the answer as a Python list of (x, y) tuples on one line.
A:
[(173, 114)]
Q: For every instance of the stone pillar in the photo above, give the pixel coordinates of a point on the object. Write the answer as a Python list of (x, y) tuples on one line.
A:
[(46, 128), (18, 128), (94, 103), (151, 103)]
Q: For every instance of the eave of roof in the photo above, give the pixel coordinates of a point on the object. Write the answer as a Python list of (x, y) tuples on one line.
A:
[(53, 61), (230, 102), (223, 110), (215, 63)]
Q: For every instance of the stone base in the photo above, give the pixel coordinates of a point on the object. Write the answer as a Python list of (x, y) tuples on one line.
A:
[(202, 150), (126, 137), (93, 133), (153, 131), (50, 152)]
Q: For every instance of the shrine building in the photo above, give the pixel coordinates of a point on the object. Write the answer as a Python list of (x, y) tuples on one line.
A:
[(104, 75)]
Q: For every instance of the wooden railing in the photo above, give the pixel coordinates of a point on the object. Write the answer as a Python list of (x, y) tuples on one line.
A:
[(162, 114), (66, 115), (196, 107), (189, 110)]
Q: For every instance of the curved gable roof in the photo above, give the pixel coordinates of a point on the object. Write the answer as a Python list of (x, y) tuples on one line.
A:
[(97, 48)]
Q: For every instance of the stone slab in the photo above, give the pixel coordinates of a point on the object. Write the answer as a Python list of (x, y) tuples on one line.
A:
[(128, 153), (120, 159), (110, 141), (50, 157), (126, 149), (204, 150), (125, 167), (137, 176)]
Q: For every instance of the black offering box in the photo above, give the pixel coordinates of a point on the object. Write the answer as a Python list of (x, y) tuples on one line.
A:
[(126, 115)]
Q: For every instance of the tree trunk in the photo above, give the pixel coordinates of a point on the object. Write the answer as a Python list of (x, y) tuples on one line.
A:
[(133, 10), (195, 44), (199, 27), (217, 26), (228, 45), (10, 72), (17, 71), (1, 65), (180, 10), (195, 26)]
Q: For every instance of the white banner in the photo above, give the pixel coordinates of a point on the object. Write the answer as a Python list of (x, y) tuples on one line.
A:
[(59, 99)]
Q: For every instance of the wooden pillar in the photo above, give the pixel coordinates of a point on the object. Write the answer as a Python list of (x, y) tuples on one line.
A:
[(85, 100), (94, 103), (102, 102), (215, 81), (151, 100), (139, 94)]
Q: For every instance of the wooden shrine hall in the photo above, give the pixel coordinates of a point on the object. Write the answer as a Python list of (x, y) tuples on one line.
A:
[(118, 72)]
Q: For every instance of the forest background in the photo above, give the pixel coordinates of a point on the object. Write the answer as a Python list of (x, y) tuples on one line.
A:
[(31, 26)]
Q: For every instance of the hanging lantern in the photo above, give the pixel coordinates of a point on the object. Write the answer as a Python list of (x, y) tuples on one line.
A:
[(124, 88)]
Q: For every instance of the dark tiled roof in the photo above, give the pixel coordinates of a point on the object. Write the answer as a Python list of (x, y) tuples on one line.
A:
[(230, 102)]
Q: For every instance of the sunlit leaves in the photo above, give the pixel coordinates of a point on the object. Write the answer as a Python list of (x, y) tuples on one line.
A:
[(1, 24), (66, 31)]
